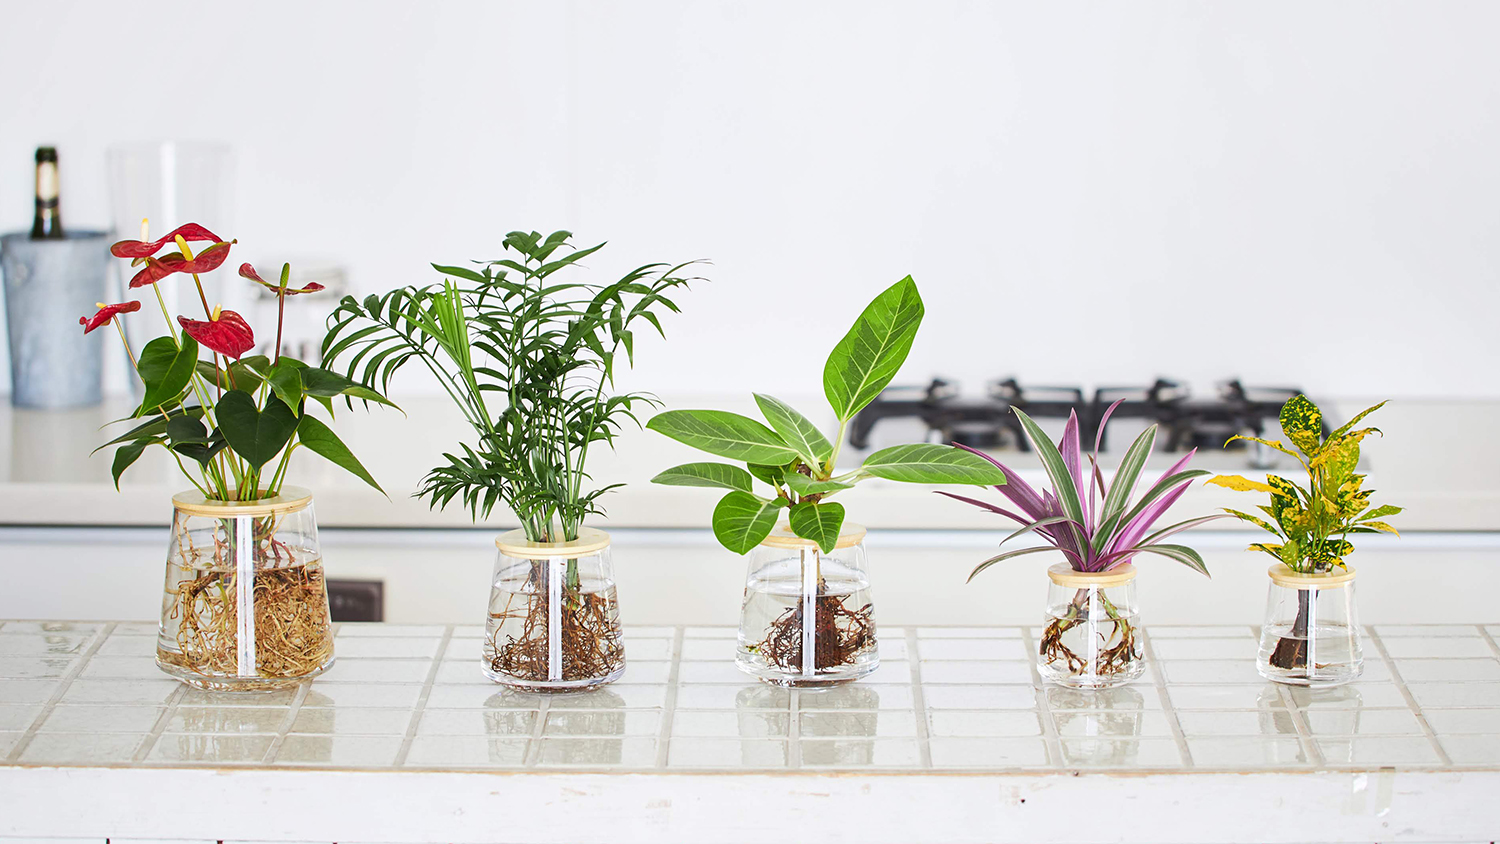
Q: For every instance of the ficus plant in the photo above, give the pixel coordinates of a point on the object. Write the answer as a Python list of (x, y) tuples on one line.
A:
[(236, 419), (797, 462)]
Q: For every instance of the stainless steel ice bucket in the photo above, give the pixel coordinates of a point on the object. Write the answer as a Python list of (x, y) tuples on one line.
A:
[(49, 284)]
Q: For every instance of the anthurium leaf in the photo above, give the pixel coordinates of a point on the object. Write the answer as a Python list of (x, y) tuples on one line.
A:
[(165, 369), (321, 382), (868, 357), (998, 558), (773, 475), (1302, 423), (237, 376), (318, 438), (154, 427), (724, 434), (720, 475), (203, 451), (930, 463), (127, 454), (186, 429), (819, 522), (1180, 553), (803, 485), (1237, 482), (796, 430), (254, 434), (741, 521), (286, 383)]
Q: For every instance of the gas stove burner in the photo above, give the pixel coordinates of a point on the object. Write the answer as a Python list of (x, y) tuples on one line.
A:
[(987, 422)]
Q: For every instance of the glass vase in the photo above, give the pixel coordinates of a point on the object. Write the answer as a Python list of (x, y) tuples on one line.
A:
[(245, 607), (790, 581), (1311, 633), (1091, 638), (554, 620)]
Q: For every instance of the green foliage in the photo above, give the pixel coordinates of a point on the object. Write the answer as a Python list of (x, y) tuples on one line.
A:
[(529, 360), (796, 459), (1313, 523)]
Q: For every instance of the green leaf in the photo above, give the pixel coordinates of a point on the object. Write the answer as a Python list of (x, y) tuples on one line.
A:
[(720, 475), (868, 357), (773, 475), (127, 454), (286, 383), (803, 485), (1006, 556), (156, 426), (1383, 510), (1345, 428), (241, 374), (1302, 423), (166, 370), (1180, 553), (460, 272), (1057, 470), (1251, 519), (742, 521), (930, 463), (1124, 481), (819, 522), (724, 434), (254, 434), (318, 438), (796, 430), (321, 382)]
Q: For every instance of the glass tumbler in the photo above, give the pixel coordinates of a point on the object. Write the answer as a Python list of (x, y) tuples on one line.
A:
[(1311, 633), (1091, 639)]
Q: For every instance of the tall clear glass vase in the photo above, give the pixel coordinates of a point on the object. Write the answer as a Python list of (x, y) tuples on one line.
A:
[(554, 620), (1311, 632), (245, 606), (790, 582), (1090, 639)]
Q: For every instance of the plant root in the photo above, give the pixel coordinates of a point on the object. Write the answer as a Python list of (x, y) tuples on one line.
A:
[(293, 637), (591, 644), (1115, 658), (841, 635)]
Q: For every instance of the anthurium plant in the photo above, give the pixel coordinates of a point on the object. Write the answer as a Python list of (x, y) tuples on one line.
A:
[(797, 461), (231, 421), (1312, 524)]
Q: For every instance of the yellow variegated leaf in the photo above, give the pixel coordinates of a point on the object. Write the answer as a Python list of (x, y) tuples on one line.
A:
[(1238, 482), (1379, 526), (1252, 520), (1344, 428), (1338, 457), (1276, 444), (1302, 423), (1272, 548)]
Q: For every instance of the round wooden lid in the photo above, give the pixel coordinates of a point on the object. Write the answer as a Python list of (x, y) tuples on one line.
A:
[(1282, 575), (291, 499), (1064, 575), (850, 535), (514, 543)]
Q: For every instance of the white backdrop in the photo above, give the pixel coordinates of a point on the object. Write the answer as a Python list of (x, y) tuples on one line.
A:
[(1290, 192)]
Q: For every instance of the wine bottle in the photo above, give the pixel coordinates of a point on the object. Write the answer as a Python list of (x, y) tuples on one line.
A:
[(47, 224)]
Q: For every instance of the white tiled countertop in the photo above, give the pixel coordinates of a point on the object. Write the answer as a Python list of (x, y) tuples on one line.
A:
[(406, 713)]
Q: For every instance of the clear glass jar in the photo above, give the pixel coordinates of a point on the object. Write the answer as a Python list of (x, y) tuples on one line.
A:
[(1311, 633), (554, 620), (245, 606), (789, 580), (1091, 639)]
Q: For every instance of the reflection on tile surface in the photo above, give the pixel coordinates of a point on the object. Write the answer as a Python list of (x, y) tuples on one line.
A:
[(121, 691), (353, 751), (857, 696), (465, 752), (1380, 750), (601, 752), (38, 645), (979, 723), (988, 753), (628, 722), (1130, 697), (1354, 695), (1116, 723), (381, 722), (103, 667), (614, 697), (489, 696), (1268, 721), (199, 697), (245, 719), (35, 667), (892, 724), (507, 723), (859, 753), (215, 749), (1107, 752), (102, 719), (1222, 697), (747, 724), (727, 753), (362, 694), (1246, 752), (80, 748), (1360, 722), (733, 697)]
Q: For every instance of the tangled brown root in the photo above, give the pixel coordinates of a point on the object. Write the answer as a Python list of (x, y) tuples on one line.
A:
[(591, 644), (1121, 651), (293, 637), (841, 635)]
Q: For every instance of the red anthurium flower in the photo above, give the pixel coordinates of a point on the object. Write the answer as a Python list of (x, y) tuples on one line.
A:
[(226, 332), (107, 313), (159, 268), (249, 272), (191, 232)]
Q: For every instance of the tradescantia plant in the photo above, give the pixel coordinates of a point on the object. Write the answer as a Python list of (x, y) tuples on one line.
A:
[(1313, 523), (795, 459), (230, 415)]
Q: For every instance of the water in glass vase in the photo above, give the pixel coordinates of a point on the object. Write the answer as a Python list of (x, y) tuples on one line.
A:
[(1090, 640), (1327, 653), (773, 637), (528, 645)]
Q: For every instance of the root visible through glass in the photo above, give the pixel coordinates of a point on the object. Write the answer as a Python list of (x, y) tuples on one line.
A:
[(841, 635), (1120, 649), (1291, 651), (591, 645), (292, 635)]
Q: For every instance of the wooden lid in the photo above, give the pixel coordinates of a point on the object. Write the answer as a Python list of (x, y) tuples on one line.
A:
[(1282, 575), (291, 499), (514, 543), (850, 535), (1064, 575)]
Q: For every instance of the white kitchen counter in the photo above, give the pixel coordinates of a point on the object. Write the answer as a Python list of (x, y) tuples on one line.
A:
[(1437, 460), (952, 739)]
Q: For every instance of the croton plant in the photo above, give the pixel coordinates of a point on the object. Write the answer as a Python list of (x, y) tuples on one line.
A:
[(230, 415)]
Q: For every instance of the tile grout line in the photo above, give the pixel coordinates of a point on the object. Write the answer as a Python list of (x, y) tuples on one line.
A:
[(420, 707), (918, 699), (1159, 680), (282, 730), (1305, 735), (794, 728), (1039, 692), (160, 727), (63, 684), (669, 706), (533, 752), (1489, 640), (1406, 694)]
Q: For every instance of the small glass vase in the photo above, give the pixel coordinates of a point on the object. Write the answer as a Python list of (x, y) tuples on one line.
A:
[(1311, 633), (245, 607), (1091, 638), (791, 580), (554, 620)]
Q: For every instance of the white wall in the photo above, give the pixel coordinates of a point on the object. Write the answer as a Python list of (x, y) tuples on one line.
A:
[(1286, 191)]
